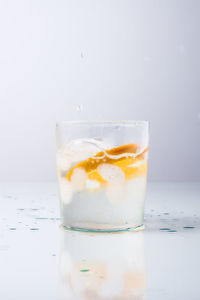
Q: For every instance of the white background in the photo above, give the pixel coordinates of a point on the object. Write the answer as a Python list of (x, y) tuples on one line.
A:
[(119, 59)]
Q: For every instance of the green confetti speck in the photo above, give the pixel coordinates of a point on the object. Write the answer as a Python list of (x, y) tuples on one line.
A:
[(84, 270)]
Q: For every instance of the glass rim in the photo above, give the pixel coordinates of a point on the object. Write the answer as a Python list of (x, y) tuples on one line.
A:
[(102, 122)]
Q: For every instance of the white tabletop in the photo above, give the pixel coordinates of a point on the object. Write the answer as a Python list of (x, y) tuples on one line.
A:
[(40, 261)]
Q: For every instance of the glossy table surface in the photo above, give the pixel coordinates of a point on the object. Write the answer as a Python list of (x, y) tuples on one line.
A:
[(38, 260)]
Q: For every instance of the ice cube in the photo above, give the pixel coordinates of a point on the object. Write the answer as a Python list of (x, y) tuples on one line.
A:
[(82, 149), (78, 179), (77, 150), (92, 184), (111, 173), (66, 190), (63, 160)]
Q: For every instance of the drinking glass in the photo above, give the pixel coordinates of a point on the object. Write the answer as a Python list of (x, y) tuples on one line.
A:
[(102, 173)]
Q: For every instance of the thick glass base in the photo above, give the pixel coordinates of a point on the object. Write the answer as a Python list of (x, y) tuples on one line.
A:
[(104, 230)]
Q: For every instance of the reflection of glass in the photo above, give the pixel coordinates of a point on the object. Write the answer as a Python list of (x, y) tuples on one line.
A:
[(102, 169), (102, 267)]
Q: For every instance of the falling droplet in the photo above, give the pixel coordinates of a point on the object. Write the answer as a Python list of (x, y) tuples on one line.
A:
[(79, 108)]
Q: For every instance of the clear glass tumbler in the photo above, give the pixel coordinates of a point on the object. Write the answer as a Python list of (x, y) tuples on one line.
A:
[(102, 171)]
